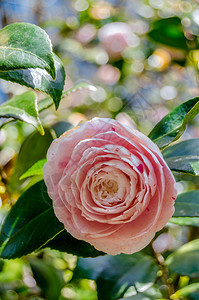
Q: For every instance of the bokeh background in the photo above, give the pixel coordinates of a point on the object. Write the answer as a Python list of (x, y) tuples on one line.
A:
[(143, 58)]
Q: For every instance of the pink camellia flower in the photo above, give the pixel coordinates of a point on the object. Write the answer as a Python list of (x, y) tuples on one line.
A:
[(116, 37), (110, 185)]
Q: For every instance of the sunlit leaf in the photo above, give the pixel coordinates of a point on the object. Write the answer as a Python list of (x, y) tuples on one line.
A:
[(184, 292), (23, 107), (34, 148), (23, 46), (40, 80), (36, 169), (185, 221), (172, 126)]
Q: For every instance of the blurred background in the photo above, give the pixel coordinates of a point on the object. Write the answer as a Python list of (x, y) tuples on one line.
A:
[(143, 58)]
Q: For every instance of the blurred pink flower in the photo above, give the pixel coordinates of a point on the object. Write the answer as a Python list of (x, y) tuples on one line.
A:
[(110, 185), (108, 74), (115, 37)]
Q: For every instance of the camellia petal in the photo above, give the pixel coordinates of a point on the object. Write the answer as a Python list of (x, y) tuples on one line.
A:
[(110, 185)]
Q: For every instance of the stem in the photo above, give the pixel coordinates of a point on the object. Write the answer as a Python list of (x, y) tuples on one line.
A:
[(165, 278)]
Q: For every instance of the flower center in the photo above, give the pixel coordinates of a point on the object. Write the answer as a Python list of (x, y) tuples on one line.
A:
[(106, 188)]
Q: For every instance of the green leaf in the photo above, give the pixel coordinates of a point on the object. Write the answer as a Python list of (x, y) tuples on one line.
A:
[(185, 221), (23, 46), (23, 107), (189, 255), (35, 170), (185, 148), (115, 274), (34, 148), (61, 127), (182, 164), (47, 102), (187, 204), (184, 292), (172, 126), (40, 80), (30, 223), (187, 209), (169, 32), (64, 242), (183, 157), (48, 278)]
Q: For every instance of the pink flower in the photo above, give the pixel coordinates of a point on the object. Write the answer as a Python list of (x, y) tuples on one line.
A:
[(110, 185), (115, 37)]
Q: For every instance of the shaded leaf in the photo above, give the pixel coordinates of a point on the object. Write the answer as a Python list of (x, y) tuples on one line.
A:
[(48, 278), (187, 204), (23, 46), (34, 148), (185, 148), (189, 255), (169, 32), (172, 126), (36, 169), (64, 242), (115, 274), (40, 80), (61, 127), (30, 223), (183, 157), (23, 107), (184, 164)]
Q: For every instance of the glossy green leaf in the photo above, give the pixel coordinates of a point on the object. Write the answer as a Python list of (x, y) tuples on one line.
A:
[(189, 255), (184, 164), (34, 148), (169, 32), (47, 102), (61, 127), (23, 46), (64, 242), (48, 278), (187, 209), (185, 148), (184, 292), (23, 107), (187, 204), (30, 223), (35, 170), (40, 80), (172, 126), (114, 274), (183, 157)]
